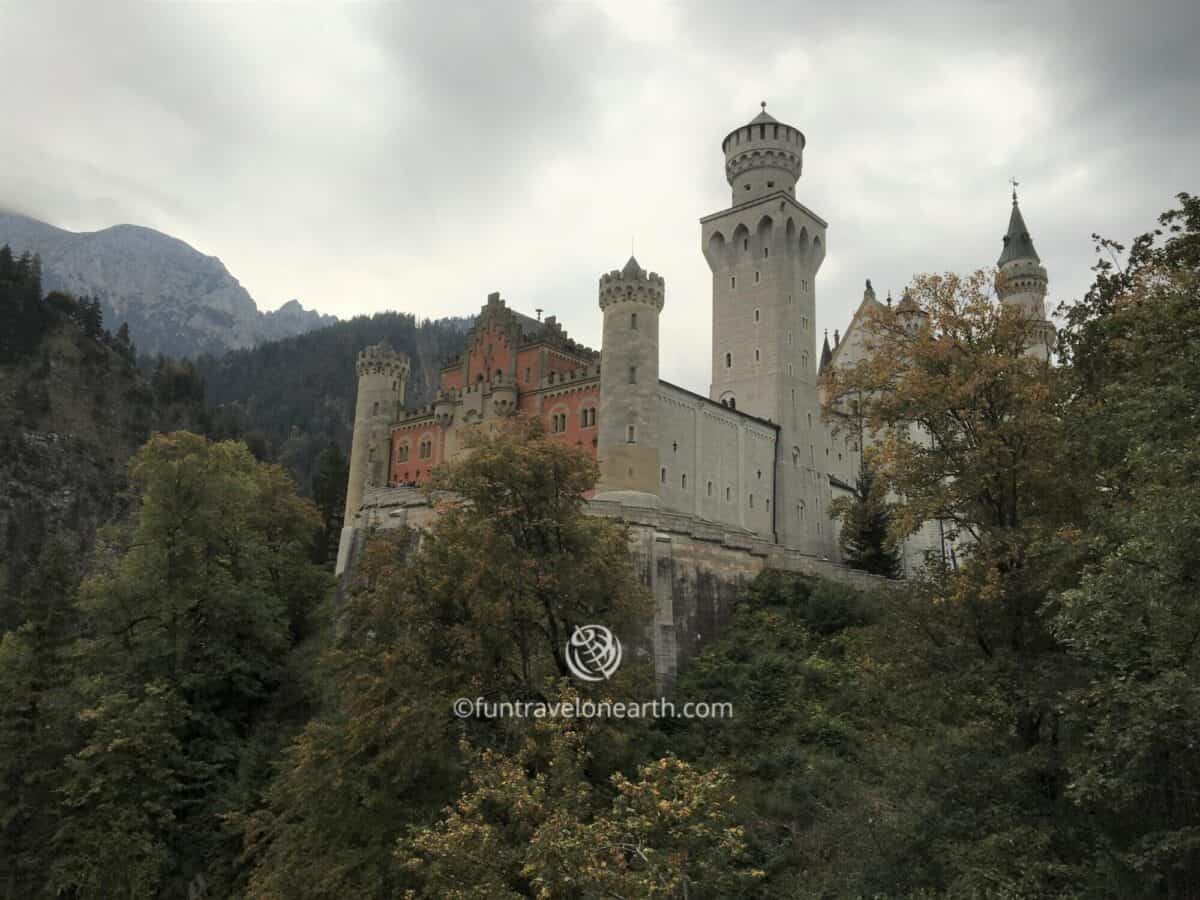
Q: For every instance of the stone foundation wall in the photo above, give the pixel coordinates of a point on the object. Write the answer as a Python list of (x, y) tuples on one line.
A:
[(694, 569)]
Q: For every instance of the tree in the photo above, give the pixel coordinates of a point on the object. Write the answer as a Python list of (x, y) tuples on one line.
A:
[(531, 824), (1132, 622), (482, 607), (865, 538), (329, 493), (188, 623)]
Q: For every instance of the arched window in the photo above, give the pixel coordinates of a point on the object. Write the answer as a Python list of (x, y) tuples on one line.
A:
[(710, 489), (662, 475), (683, 482)]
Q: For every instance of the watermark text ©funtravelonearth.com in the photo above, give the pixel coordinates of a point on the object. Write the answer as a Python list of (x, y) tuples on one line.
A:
[(661, 708)]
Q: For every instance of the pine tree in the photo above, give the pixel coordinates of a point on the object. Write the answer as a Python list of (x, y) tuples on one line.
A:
[(865, 538), (329, 493)]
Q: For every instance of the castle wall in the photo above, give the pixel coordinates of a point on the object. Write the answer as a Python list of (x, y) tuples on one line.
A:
[(714, 462), (694, 569)]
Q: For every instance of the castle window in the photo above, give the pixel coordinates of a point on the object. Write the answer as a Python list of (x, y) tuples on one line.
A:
[(662, 475), (795, 457), (756, 278), (770, 184), (759, 474), (633, 321), (732, 281), (789, 338), (727, 494), (800, 510), (767, 250), (402, 453), (733, 403), (810, 420), (791, 369), (747, 187), (375, 409), (587, 417), (630, 434), (710, 489), (371, 455), (756, 316), (528, 374), (762, 132), (789, 300), (633, 374), (675, 446), (757, 357), (683, 482), (729, 360), (752, 501), (746, 241)]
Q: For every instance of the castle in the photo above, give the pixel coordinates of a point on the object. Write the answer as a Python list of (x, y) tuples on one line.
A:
[(737, 479)]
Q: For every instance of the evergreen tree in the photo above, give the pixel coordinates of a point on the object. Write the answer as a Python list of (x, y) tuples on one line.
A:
[(865, 538), (329, 493)]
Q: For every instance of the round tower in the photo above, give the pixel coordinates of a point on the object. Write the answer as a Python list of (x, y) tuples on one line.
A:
[(763, 157), (1021, 282), (382, 381), (627, 444)]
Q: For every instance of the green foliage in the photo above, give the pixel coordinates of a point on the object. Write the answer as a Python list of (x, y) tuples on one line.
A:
[(866, 537), (329, 494), (128, 715), (481, 608), (532, 824)]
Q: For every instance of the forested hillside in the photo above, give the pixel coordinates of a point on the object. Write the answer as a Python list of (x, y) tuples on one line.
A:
[(295, 397), (73, 409)]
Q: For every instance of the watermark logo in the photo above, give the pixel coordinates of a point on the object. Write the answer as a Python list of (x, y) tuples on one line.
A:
[(593, 653)]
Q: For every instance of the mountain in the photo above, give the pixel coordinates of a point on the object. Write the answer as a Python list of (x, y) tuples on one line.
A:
[(176, 300), (292, 398)]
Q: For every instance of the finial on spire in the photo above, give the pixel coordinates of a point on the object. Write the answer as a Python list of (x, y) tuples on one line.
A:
[(869, 284), (1013, 181), (763, 104)]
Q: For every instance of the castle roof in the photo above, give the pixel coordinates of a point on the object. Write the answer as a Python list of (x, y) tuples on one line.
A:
[(632, 269), (763, 117), (826, 354), (908, 305), (1017, 242)]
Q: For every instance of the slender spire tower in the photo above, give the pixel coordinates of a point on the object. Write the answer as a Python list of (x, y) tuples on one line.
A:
[(1021, 281)]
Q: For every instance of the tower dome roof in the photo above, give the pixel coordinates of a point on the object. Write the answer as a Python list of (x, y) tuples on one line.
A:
[(1017, 242)]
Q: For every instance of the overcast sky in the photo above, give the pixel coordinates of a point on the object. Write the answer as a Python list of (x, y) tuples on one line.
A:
[(416, 156)]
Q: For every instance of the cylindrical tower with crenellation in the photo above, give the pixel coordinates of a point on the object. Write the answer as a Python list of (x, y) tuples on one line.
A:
[(627, 444)]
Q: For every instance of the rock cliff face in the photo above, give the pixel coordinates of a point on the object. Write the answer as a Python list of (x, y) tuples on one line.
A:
[(176, 300)]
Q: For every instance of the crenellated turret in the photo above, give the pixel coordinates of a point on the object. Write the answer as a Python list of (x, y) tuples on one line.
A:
[(762, 157), (627, 443)]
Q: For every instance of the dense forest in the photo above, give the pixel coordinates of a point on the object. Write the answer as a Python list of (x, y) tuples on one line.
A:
[(294, 398), (190, 714)]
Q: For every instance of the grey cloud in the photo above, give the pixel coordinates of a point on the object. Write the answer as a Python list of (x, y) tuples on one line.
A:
[(363, 157)]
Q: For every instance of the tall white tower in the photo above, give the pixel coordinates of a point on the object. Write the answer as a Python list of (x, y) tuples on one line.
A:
[(382, 381), (627, 443), (764, 252), (1021, 282)]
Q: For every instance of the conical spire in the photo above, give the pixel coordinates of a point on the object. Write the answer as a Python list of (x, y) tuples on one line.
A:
[(1017, 242), (632, 269), (826, 354)]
